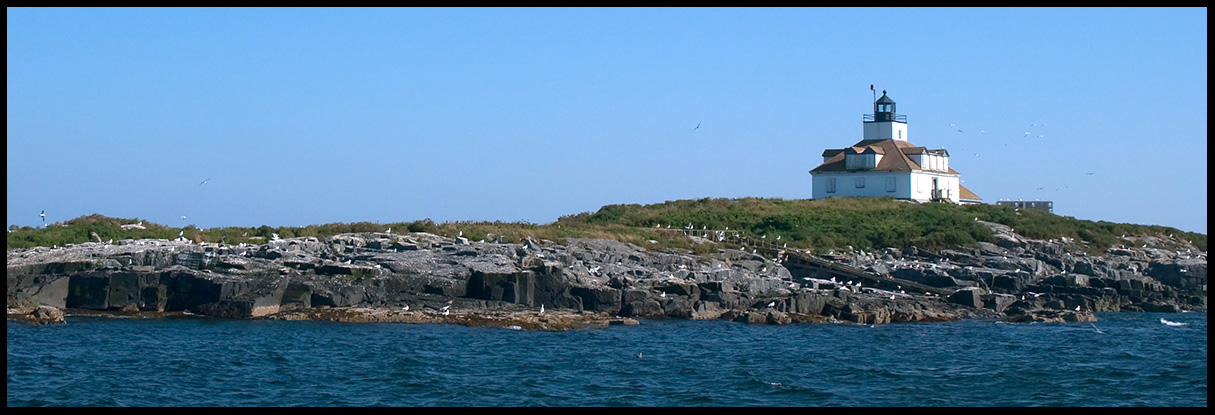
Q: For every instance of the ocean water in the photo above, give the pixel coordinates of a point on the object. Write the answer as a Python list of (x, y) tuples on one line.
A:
[(1134, 360)]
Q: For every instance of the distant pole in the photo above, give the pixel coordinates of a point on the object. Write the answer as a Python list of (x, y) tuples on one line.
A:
[(874, 92)]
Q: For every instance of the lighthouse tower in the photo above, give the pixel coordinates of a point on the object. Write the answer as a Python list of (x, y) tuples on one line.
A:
[(885, 164), (884, 123)]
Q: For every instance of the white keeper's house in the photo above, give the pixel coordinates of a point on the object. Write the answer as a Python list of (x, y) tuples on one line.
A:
[(884, 163)]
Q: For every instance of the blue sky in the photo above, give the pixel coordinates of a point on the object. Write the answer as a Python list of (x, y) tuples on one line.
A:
[(312, 116)]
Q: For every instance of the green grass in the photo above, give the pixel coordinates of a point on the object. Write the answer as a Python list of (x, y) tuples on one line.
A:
[(862, 223)]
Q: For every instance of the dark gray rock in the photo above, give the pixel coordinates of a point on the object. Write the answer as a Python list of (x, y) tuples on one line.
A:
[(998, 302), (969, 297), (593, 276), (599, 299)]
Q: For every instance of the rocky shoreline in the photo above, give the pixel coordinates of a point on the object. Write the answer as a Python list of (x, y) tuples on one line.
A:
[(426, 278)]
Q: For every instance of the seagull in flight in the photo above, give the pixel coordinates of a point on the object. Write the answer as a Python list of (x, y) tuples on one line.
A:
[(43, 215), (204, 182), (697, 127)]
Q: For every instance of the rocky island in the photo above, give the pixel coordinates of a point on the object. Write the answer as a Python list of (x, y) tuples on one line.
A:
[(419, 277)]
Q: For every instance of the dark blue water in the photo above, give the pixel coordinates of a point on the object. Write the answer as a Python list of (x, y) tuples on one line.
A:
[(1137, 361)]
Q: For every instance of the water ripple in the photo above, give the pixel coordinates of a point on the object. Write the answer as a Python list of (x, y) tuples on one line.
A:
[(201, 362)]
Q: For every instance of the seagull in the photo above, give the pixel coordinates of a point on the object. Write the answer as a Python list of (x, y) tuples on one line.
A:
[(663, 295), (638, 355), (388, 231), (541, 308), (1040, 188), (697, 127), (448, 307), (43, 215), (405, 308), (1077, 308), (183, 217), (772, 304), (204, 182), (1090, 173), (1171, 323), (446, 312)]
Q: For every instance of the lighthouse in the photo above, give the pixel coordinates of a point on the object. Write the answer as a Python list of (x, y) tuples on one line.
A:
[(884, 123), (885, 163)]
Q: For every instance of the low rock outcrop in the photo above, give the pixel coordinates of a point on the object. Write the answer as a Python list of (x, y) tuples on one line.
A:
[(421, 277)]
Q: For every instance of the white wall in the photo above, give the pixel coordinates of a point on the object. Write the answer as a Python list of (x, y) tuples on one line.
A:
[(884, 130), (921, 185), (875, 185), (931, 161)]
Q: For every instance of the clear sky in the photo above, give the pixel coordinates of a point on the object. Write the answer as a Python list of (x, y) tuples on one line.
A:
[(312, 116)]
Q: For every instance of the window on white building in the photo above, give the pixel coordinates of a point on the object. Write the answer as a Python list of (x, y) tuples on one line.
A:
[(860, 182)]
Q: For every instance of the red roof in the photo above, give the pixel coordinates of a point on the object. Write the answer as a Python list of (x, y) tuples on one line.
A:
[(894, 156)]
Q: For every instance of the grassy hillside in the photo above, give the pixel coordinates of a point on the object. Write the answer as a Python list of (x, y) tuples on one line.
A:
[(862, 223)]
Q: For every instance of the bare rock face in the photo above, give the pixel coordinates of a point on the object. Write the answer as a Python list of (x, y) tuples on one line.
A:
[(418, 276), (37, 315)]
